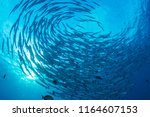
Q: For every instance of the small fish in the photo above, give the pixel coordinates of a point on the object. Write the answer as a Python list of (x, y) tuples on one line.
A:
[(3, 45), (147, 80), (8, 45), (80, 26), (96, 3), (42, 84), (55, 82), (47, 97), (16, 7), (98, 77), (4, 76), (91, 17), (53, 92)]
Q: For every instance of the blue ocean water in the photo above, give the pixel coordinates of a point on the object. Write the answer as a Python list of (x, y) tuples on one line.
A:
[(74, 49)]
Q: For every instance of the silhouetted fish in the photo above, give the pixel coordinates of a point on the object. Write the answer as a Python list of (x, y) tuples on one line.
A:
[(147, 80), (51, 46), (55, 82), (53, 92), (98, 77), (8, 44), (3, 45), (4, 76), (47, 97)]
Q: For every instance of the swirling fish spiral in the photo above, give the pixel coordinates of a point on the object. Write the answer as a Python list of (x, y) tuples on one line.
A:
[(57, 46)]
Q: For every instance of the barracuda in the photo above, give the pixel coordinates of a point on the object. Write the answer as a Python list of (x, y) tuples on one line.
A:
[(62, 44)]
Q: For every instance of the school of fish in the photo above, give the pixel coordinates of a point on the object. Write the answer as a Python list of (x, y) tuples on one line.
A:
[(71, 61)]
